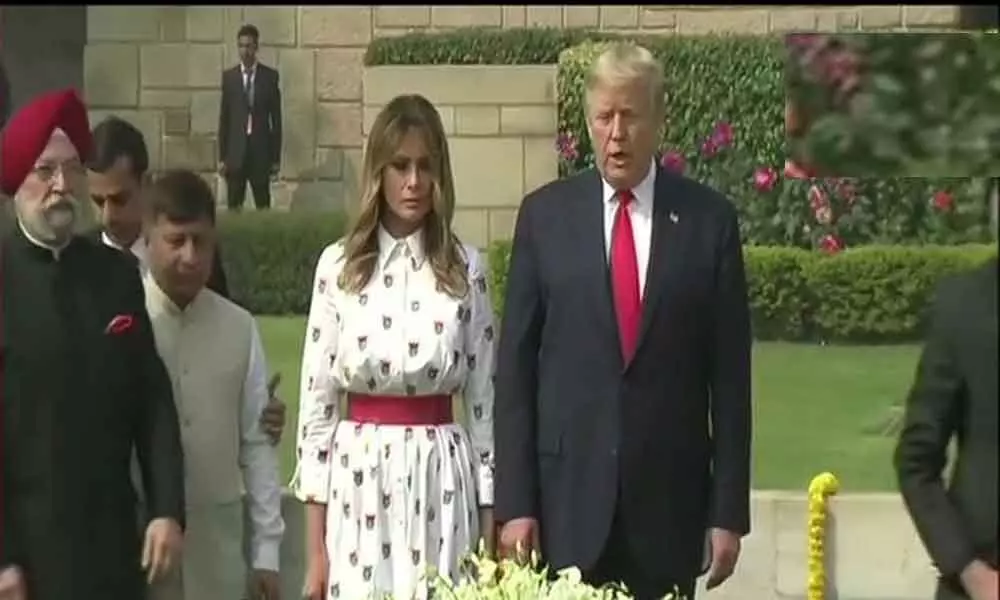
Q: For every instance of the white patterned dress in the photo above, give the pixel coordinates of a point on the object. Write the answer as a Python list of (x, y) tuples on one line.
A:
[(399, 499)]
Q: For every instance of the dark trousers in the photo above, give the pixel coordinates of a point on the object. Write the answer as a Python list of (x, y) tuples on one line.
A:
[(617, 565), (255, 170)]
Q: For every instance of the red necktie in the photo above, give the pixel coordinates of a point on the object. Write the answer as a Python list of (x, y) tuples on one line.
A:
[(625, 276)]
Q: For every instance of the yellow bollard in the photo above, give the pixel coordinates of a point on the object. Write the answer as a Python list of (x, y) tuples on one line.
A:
[(820, 488)]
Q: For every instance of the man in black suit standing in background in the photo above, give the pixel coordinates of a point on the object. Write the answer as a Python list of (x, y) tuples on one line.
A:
[(954, 396), (249, 125)]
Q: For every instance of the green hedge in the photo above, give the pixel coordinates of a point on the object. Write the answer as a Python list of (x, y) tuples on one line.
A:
[(479, 46), (870, 294), (865, 294), (269, 257)]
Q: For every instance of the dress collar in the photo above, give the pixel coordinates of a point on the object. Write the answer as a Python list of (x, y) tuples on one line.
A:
[(390, 248)]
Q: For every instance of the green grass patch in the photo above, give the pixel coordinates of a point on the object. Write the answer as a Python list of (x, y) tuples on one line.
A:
[(813, 407)]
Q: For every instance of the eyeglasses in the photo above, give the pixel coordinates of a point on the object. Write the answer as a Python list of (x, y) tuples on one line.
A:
[(70, 171)]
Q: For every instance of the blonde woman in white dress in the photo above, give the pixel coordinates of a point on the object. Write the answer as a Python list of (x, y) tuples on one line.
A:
[(400, 321)]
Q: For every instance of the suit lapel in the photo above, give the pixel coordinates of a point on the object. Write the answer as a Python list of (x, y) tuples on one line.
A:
[(594, 255), (668, 234)]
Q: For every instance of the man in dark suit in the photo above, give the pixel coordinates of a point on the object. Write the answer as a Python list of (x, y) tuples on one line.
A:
[(954, 396), (115, 174), (82, 385), (249, 125), (4, 95), (622, 416)]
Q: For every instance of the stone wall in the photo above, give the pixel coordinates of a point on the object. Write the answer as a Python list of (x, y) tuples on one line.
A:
[(501, 133), (160, 66), (873, 551)]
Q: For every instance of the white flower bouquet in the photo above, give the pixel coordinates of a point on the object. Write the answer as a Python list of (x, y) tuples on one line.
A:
[(486, 579)]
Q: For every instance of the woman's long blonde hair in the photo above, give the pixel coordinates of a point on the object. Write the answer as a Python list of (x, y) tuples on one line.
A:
[(441, 247)]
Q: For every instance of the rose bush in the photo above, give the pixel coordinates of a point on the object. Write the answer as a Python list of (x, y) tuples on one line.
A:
[(780, 207), (897, 105), (734, 142)]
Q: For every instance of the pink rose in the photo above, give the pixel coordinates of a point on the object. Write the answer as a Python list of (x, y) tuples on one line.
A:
[(830, 244), (567, 147), (764, 179), (673, 161), (943, 201)]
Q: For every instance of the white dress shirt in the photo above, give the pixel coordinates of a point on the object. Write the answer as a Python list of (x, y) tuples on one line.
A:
[(641, 213)]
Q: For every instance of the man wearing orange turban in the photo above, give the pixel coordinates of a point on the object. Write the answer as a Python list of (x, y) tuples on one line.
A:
[(82, 385)]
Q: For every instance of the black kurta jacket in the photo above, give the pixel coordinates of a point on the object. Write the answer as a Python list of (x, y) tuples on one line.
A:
[(82, 385), (216, 280)]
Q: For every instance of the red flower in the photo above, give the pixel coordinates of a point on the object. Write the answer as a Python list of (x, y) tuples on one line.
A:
[(567, 147), (764, 179), (722, 135), (830, 244), (943, 201), (673, 161)]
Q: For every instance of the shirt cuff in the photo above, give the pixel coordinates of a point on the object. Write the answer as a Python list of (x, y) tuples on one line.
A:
[(484, 482), (312, 483), (267, 556)]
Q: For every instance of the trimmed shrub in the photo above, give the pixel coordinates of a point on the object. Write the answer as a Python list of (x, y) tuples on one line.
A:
[(269, 257), (478, 46), (872, 294)]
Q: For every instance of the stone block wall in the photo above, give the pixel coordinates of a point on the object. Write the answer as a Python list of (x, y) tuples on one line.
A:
[(160, 66), (501, 133)]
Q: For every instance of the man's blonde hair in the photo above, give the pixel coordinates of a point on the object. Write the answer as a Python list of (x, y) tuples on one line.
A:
[(625, 63)]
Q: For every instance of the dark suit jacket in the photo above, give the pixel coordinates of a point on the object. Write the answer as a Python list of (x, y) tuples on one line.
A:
[(5, 108), (266, 111), (77, 398), (667, 436), (954, 395), (216, 280)]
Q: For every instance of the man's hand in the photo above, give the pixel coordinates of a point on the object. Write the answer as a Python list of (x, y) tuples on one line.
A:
[(519, 538), (980, 581), (12, 586), (162, 548), (272, 419), (264, 585), (222, 168), (275, 169), (725, 549)]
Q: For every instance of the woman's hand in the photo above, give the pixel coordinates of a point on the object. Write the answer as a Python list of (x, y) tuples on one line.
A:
[(488, 530), (317, 575)]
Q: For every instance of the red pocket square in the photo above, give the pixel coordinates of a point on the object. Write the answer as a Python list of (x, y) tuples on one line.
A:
[(120, 324)]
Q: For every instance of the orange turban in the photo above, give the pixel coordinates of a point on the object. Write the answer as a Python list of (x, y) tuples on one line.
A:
[(28, 132)]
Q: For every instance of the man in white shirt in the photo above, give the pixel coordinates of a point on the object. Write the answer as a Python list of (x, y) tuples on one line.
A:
[(213, 352)]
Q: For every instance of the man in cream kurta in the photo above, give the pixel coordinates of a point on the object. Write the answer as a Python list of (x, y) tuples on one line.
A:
[(213, 353)]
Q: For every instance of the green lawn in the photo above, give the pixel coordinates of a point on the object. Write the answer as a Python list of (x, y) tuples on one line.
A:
[(812, 407)]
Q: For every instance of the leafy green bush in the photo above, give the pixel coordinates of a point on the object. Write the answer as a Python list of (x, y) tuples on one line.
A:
[(724, 127), (269, 257), (897, 105), (870, 294), (478, 46)]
